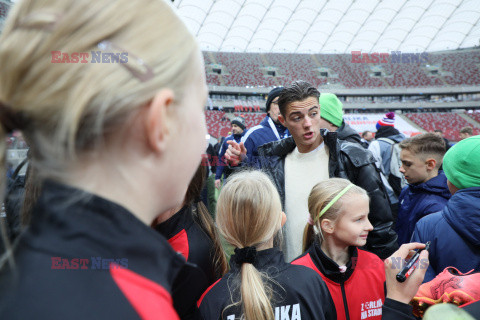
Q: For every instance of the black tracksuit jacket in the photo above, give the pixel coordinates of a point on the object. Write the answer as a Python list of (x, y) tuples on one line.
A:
[(187, 237), (299, 293), (349, 161), (84, 257)]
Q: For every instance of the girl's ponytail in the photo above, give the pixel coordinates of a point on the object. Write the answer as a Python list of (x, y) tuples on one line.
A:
[(308, 237), (255, 298)]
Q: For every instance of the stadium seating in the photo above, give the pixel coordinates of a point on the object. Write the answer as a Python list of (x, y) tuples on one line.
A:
[(245, 69), (474, 115), (449, 123)]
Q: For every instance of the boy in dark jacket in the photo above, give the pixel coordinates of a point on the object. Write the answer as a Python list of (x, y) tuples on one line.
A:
[(331, 118), (427, 190), (454, 232), (270, 129)]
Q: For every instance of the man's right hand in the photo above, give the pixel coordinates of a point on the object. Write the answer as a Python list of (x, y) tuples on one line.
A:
[(235, 153)]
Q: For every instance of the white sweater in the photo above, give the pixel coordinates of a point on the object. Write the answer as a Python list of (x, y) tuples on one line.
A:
[(302, 172)]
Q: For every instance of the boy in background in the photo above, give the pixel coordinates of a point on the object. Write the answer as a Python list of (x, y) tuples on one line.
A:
[(427, 191)]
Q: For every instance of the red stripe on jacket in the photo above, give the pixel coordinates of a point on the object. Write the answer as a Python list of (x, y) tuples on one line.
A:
[(179, 243), (149, 299)]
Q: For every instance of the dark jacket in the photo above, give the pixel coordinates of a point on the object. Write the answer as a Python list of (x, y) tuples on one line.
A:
[(299, 293), (345, 132), (359, 292), (187, 237), (417, 201), (346, 160), (261, 134), (222, 166), (84, 257), (454, 233)]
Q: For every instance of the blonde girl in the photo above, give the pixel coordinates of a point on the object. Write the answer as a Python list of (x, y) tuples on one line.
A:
[(338, 226), (109, 96), (260, 285)]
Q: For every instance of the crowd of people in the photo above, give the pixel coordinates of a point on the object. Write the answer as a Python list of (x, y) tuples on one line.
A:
[(115, 220)]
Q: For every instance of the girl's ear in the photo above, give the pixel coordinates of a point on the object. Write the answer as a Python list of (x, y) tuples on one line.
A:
[(327, 225), (156, 128), (284, 218)]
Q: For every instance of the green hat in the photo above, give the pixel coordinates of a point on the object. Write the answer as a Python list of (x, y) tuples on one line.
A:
[(331, 109), (462, 163)]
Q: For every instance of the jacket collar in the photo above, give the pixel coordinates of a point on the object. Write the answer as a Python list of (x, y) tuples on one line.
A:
[(265, 259), (283, 147), (329, 267), (183, 219)]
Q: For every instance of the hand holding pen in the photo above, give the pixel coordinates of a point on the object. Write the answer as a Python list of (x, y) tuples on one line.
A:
[(405, 291)]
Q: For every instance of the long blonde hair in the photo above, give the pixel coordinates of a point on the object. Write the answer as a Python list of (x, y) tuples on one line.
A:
[(320, 196), (249, 213), (69, 110)]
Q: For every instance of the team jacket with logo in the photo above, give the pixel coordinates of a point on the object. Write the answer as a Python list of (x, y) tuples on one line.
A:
[(188, 238), (84, 257), (298, 293), (359, 292)]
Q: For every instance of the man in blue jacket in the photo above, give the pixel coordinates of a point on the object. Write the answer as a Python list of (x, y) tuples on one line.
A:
[(238, 131), (427, 191), (454, 232), (270, 129)]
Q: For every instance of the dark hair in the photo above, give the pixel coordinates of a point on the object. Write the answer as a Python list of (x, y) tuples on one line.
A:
[(365, 133), (426, 144), (204, 219), (468, 130), (297, 91)]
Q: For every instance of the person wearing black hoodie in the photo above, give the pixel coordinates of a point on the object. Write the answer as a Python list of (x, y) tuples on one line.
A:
[(331, 118)]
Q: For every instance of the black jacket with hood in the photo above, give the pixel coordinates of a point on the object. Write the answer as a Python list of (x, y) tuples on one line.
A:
[(345, 132), (349, 161)]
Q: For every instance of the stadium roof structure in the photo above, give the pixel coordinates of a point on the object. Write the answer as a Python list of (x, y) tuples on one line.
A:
[(332, 26)]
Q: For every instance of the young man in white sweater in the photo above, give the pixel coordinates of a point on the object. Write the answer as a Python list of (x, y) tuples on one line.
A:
[(311, 155)]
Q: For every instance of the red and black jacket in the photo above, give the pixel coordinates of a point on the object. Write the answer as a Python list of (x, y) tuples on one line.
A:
[(359, 292), (84, 257), (298, 293), (187, 237)]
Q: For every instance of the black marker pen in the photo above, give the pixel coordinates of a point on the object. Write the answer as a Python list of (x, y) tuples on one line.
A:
[(411, 265)]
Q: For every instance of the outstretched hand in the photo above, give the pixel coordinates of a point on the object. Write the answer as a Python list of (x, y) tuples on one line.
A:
[(235, 153), (404, 292)]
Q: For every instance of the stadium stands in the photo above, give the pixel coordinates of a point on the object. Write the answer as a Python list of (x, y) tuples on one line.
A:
[(248, 69), (474, 115), (449, 123)]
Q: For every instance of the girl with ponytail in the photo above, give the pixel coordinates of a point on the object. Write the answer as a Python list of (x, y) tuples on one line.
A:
[(260, 284), (191, 231), (337, 225)]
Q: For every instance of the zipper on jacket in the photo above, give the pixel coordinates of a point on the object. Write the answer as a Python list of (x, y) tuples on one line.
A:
[(345, 304)]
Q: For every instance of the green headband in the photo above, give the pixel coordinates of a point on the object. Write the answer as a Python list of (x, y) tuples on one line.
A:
[(338, 196)]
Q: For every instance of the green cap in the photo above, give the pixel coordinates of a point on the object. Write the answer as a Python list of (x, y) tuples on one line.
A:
[(331, 109), (462, 163)]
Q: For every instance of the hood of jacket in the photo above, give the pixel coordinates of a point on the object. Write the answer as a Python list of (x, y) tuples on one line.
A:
[(436, 185), (462, 212), (345, 131)]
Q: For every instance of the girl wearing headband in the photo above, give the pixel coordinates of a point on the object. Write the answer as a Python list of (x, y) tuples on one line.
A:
[(260, 284), (338, 224), (110, 97)]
